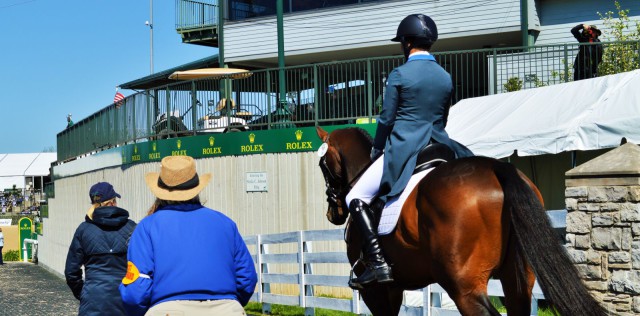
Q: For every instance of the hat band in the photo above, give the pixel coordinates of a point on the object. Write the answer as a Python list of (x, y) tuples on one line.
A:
[(189, 184)]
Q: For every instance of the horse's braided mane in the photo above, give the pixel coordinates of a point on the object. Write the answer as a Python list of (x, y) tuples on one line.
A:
[(363, 133)]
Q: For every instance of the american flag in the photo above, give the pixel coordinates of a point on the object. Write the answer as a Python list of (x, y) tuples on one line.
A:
[(119, 97)]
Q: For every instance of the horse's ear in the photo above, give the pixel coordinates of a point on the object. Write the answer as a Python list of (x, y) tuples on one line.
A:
[(321, 133)]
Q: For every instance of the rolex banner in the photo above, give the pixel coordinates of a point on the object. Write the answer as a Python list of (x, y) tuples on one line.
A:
[(212, 145)]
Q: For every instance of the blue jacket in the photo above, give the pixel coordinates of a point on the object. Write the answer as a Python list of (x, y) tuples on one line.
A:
[(101, 246), (414, 111), (186, 252)]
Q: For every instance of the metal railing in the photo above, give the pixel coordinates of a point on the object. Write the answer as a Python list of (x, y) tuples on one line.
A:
[(294, 266), (196, 14), (317, 94)]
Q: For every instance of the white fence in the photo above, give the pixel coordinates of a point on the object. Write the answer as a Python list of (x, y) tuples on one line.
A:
[(305, 279)]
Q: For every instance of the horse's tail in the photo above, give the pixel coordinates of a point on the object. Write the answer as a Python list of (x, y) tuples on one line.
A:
[(556, 274)]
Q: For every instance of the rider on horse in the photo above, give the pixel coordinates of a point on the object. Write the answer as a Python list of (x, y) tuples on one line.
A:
[(414, 114)]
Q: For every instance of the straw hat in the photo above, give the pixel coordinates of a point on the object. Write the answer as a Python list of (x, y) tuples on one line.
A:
[(177, 180)]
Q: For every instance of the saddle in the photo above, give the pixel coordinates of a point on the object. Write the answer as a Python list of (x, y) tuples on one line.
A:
[(430, 156)]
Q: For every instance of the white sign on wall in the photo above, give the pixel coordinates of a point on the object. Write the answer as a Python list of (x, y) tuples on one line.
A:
[(256, 181), (5, 222)]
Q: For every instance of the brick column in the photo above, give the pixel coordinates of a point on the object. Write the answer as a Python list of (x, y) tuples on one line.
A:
[(602, 197)]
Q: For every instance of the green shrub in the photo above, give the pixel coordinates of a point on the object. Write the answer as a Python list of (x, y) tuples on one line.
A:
[(513, 84), (11, 255), (619, 57)]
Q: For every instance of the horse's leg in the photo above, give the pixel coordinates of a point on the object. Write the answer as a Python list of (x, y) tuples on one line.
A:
[(382, 300), (517, 280), (471, 298)]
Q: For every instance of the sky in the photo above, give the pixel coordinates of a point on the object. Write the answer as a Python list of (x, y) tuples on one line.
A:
[(60, 57)]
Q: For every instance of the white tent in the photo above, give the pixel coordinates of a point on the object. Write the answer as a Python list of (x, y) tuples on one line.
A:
[(581, 115), (16, 169)]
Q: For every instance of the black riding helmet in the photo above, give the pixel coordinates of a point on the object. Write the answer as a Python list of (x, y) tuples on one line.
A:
[(417, 28)]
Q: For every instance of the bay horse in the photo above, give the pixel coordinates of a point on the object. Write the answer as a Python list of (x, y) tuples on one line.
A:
[(467, 221)]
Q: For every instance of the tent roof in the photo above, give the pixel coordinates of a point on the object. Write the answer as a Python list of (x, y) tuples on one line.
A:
[(581, 115), (26, 165)]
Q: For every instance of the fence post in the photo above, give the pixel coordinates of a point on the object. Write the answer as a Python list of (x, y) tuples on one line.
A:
[(426, 301), (566, 63), (264, 268), (194, 107), (316, 95), (495, 71), (369, 92), (303, 269)]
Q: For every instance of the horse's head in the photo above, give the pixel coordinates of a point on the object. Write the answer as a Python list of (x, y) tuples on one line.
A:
[(340, 170)]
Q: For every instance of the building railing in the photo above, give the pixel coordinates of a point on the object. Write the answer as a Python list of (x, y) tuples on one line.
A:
[(318, 94), (295, 270), (196, 14)]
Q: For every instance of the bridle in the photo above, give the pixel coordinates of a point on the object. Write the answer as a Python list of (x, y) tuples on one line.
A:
[(337, 191)]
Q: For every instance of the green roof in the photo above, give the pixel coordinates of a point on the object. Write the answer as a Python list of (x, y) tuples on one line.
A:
[(162, 78)]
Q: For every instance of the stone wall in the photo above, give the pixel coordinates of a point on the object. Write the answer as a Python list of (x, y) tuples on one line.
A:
[(603, 227), (603, 237)]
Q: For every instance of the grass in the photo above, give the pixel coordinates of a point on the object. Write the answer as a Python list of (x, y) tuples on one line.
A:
[(283, 310)]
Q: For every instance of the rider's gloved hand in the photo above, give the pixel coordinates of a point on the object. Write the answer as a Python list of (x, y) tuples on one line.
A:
[(375, 153)]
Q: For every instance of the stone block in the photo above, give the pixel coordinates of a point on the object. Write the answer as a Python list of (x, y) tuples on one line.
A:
[(571, 204), (606, 238), (620, 266), (576, 192), (607, 194), (577, 256), (609, 207), (634, 194), (635, 255), (583, 241), (589, 207), (570, 240), (630, 212), (596, 285), (578, 222), (619, 257), (635, 304), (627, 238), (627, 282), (605, 219), (635, 229), (589, 272), (594, 257)]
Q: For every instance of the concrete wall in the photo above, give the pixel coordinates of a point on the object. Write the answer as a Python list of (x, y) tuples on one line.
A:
[(295, 199)]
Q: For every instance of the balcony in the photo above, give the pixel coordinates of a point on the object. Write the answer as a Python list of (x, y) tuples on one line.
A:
[(197, 22)]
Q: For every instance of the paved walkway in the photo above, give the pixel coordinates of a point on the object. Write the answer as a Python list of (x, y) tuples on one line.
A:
[(29, 289)]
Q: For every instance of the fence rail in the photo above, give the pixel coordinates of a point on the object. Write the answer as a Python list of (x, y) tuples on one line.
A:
[(330, 93), (304, 258)]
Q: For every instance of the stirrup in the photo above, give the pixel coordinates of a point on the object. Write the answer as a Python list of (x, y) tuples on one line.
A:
[(352, 277)]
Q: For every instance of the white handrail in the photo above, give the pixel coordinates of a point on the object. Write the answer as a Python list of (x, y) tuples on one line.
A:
[(24, 248)]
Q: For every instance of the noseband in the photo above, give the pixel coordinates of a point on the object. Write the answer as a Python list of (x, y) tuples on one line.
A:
[(340, 193)]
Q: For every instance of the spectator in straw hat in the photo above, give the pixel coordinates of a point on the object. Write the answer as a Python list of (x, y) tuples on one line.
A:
[(185, 257), (100, 245)]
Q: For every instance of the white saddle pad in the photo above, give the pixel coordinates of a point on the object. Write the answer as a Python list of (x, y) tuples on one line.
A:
[(391, 211)]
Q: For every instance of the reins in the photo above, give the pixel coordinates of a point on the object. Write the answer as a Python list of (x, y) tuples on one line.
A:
[(335, 194)]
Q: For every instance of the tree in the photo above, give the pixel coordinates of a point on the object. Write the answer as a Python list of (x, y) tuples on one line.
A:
[(623, 55)]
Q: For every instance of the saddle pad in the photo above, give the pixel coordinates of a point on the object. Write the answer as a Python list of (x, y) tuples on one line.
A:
[(391, 211)]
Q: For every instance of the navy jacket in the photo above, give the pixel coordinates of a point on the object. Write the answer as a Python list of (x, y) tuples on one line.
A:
[(186, 252), (414, 111), (100, 245)]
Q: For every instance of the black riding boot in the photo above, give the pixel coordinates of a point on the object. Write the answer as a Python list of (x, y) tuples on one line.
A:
[(376, 268)]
